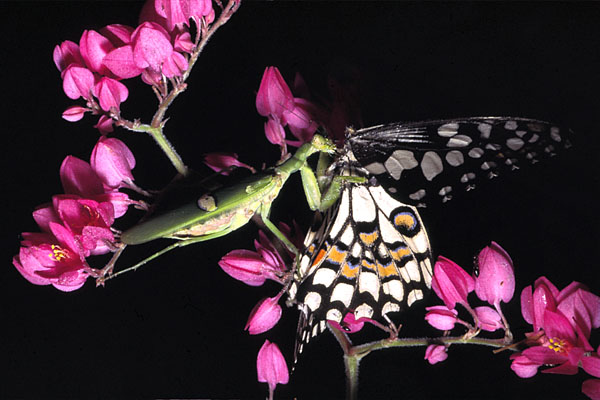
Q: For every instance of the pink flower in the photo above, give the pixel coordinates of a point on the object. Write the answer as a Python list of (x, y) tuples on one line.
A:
[(223, 162), (274, 132), (65, 54), (78, 82), (489, 319), (436, 353), (104, 125), (271, 366), (496, 279), (110, 93), (274, 96), (265, 314), (88, 220), (579, 306), (451, 283), (179, 12), (74, 113), (591, 388), (121, 63), (523, 366), (246, 266), (52, 259), (79, 178), (112, 161), (441, 317), (534, 303), (93, 47), (301, 120)]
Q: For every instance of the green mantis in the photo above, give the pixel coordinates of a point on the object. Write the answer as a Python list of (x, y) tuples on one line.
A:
[(218, 213)]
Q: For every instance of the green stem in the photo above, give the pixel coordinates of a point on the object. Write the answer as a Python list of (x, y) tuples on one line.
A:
[(351, 362)]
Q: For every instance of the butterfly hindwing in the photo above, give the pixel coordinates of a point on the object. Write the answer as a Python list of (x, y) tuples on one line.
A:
[(434, 159), (372, 258)]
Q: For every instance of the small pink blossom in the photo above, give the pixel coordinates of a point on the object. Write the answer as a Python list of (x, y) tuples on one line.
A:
[(78, 82), (580, 306), (441, 317), (436, 353), (265, 315), (121, 63), (271, 366), (93, 47), (65, 54), (451, 283), (79, 178), (74, 113), (523, 366), (112, 161), (52, 259), (151, 46), (178, 13), (301, 120), (89, 221), (104, 125), (110, 93), (223, 162), (496, 279), (274, 96), (274, 132), (489, 319), (118, 34), (246, 266)]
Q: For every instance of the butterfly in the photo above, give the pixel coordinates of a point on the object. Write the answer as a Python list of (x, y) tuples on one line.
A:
[(370, 253)]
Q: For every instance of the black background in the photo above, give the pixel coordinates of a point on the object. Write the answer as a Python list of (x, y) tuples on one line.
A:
[(175, 327)]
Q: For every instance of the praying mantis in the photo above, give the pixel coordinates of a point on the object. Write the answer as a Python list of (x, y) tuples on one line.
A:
[(219, 213)]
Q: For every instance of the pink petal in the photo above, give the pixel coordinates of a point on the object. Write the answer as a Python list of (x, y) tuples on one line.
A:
[(489, 319), (78, 177), (527, 304), (78, 82), (244, 265), (104, 125), (451, 283), (151, 46), (93, 47), (591, 388), (274, 96), (117, 34), (441, 317), (112, 161), (74, 113), (43, 215), (65, 54), (523, 366), (274, 132), (120, 62), (111, 93)]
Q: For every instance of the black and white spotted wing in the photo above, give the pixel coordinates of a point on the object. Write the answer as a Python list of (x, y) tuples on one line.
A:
[(433, 159), (370, 256)]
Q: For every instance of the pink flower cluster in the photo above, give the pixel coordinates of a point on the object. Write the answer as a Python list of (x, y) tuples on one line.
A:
[(254, 268), (77, 224), (94, 68), (562, 323), (494, 283)]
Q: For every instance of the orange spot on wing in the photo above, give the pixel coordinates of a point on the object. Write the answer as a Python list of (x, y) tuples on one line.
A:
[(404, 220), (336, 256), (349, 271), (368, 265), (319, 257), (386, 270), (369, 238), (399, 253)]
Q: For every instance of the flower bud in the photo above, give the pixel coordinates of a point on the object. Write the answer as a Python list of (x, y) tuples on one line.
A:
[(435, 353), (271, 366), (451, 283), (265, 315), (496, 279), (442, 318), (274, 96), (489, 319), (112, 161)]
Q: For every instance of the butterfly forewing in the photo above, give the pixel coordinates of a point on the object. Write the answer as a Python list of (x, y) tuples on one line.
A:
[(423, 161)]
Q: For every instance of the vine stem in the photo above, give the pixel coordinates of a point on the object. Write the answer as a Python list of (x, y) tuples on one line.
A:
[(354, 354)]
